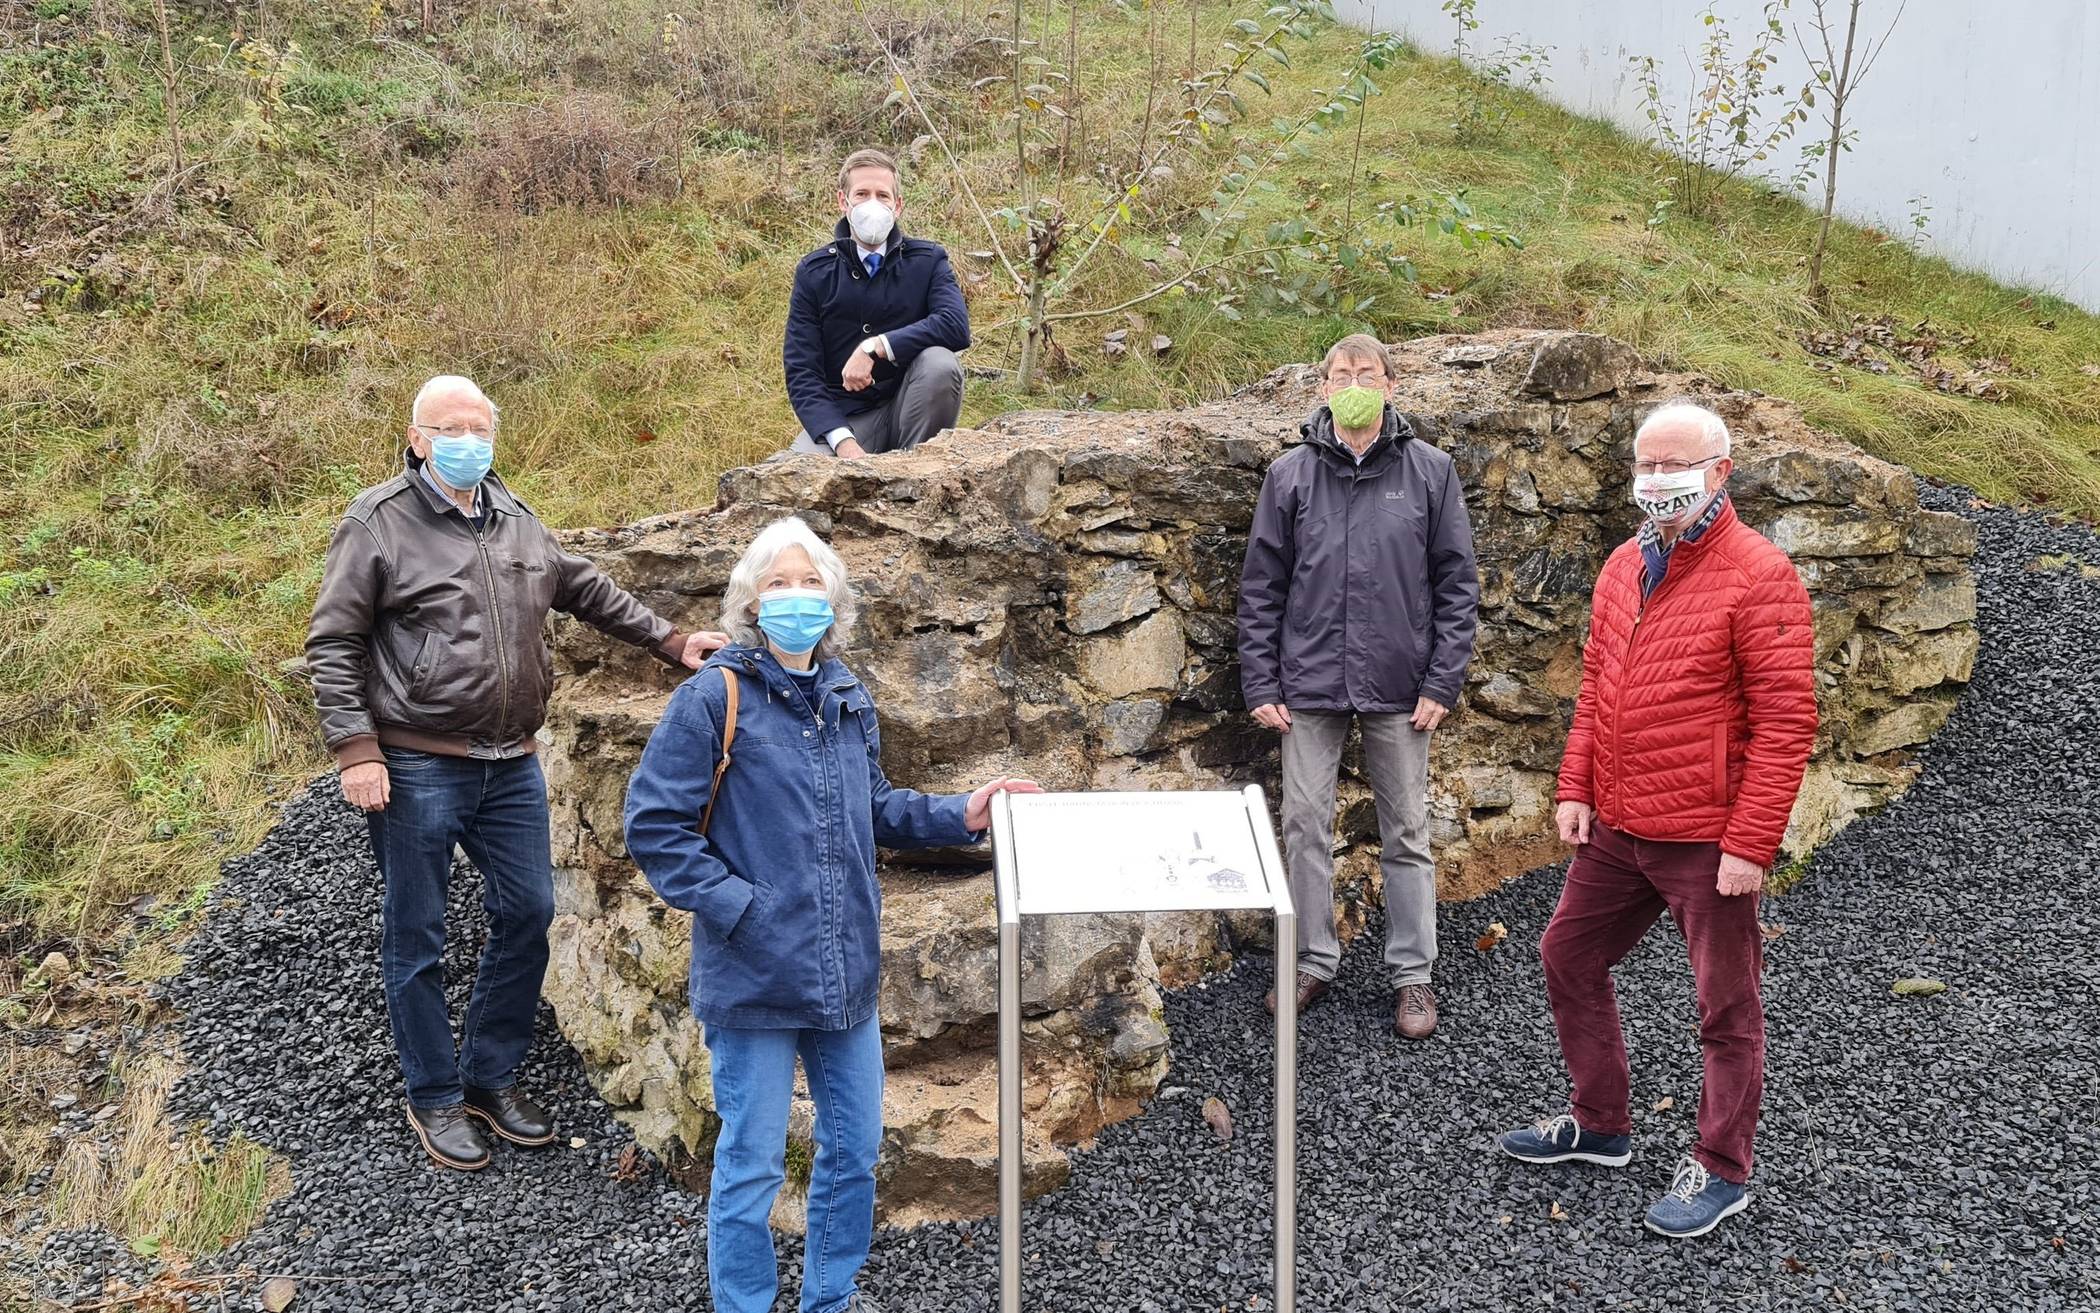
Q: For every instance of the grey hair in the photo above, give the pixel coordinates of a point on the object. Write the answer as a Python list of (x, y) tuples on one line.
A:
[(740, 599), (444, 385), (1685, 411)]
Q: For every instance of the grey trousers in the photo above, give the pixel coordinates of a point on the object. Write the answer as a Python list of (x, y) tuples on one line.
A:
[(1396, 757), (928, 399)]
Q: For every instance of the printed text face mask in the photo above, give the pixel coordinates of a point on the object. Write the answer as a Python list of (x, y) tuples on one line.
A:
[(1669, 498)]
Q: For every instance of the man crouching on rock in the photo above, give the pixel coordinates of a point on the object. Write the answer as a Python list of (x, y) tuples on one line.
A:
[(757, 807), (1692, 729), (432, 675)]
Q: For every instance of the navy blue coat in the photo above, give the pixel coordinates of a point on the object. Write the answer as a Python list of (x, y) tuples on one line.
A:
[(1359, 591), (836, 306), (786, 908)]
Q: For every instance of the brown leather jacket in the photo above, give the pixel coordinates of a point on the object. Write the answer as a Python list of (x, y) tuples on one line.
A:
[(429, 634)]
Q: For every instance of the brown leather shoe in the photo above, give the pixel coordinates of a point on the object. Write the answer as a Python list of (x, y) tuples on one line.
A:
[(1311, 989), (450, 1137), (1414, 1011), (511, 1115)]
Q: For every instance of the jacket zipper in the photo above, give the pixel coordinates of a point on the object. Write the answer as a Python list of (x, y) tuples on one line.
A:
[(502, 655), (1633, 636)]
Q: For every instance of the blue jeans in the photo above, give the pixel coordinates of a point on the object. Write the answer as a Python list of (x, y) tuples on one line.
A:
[(497, 811), (754, 1079)]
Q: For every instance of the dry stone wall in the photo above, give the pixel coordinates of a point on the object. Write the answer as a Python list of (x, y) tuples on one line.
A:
[(1053, 595)]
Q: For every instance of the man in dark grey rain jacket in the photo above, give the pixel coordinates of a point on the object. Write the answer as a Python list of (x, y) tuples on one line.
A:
[(1358, 599)]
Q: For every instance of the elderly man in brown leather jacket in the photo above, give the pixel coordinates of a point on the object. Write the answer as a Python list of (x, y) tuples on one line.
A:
[(432, 675)]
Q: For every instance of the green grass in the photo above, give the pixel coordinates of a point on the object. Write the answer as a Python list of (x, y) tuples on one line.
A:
[(182, 427)]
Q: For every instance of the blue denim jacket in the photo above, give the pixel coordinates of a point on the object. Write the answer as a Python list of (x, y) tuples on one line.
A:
[(786, 908)]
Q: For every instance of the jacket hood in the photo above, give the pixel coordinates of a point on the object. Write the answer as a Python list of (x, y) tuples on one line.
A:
[(1318, 432)]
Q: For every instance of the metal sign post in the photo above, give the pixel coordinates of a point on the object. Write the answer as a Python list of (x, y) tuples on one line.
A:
[(1065, 853)]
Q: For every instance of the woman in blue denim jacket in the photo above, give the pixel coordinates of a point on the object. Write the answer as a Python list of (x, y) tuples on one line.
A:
[(786, 907)]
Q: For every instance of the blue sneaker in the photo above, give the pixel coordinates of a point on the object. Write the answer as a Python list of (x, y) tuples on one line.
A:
[(1561, 1140), (1695, 1203)]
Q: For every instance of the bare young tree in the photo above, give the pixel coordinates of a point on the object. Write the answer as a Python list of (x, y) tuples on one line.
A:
[(169, 89), (1838, 73)]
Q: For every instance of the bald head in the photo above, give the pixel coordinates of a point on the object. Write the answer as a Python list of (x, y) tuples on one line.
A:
[(1681, 430), (451, 394)]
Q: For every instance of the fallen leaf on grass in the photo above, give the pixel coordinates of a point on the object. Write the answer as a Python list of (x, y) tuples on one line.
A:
[(1918, 987), (1496, 933), (1219, 1117)]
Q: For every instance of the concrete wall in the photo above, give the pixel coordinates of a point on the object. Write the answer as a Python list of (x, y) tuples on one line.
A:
[(1991, 112)]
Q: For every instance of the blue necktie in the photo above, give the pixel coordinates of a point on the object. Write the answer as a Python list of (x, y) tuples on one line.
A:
[(873, 260)]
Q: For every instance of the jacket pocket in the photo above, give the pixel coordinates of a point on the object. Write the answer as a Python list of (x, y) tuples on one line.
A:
[(1720, 774), (740, 934), (422, 671)]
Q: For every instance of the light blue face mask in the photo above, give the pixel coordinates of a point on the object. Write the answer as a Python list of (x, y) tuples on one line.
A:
[(462, 461), (796, 619)]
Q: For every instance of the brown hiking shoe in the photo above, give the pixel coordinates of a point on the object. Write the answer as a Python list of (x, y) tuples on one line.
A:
[(1414, 1012), (1311, 989)]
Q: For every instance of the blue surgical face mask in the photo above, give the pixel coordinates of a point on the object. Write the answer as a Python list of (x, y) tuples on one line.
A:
[(796, 619), (462, 461)]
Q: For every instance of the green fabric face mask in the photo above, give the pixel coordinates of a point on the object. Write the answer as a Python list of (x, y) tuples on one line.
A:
[(1357, 407)]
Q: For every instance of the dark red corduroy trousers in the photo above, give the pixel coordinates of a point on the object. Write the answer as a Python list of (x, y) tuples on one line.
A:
[(1617, 886)]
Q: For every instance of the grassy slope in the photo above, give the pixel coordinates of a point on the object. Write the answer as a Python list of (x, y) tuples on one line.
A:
[(175, 458)]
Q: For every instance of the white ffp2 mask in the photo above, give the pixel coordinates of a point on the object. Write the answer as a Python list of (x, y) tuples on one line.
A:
[(871, 222)]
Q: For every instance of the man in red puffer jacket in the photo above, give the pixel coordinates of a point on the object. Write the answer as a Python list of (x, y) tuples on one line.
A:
[(1692, 730)]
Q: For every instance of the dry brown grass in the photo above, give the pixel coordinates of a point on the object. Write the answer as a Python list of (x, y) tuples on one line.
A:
[(167, 1192), (581, 150)]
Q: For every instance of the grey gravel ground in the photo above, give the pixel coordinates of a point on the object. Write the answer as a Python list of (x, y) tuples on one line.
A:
[(1916, 1154)]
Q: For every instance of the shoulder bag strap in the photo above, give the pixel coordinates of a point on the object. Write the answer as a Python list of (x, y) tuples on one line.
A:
[(728, 737)]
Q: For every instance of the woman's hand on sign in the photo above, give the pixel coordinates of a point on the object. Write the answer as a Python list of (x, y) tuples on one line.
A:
[(978, 815)]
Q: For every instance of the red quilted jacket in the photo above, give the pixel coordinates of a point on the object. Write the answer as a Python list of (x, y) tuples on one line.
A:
[(1698, 708)]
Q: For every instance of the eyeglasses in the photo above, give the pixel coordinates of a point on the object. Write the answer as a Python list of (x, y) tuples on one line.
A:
[(1363, 378), (452, 431), (1646, 467)]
